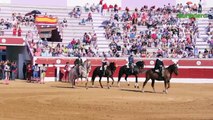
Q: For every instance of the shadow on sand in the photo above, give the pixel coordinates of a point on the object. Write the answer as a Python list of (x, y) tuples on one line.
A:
[(131, 90)]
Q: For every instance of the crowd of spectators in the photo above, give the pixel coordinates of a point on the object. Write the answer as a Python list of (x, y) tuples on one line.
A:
[(134, 31), (173, 37)]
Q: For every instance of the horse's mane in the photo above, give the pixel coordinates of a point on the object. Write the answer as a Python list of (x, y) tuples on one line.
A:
[(140, 64), (112, 66), (172, 67)]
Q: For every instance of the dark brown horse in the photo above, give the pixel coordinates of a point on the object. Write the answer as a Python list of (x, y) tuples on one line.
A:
[(108, 73), (127, 72), (150, 74)]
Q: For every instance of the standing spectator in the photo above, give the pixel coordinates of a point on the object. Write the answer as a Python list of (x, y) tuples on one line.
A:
[(14, 31), (104, 9), (200, 7), (36, 72), (66, 72), (29, 72), (13, 71), (89, 19), (101, 2), (29, 35), (7, 72), (43, 73), (2, 70), (19, 31), (24, 70)]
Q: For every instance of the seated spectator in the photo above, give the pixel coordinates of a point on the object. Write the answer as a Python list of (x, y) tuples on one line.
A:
[(2, 28), (89, 18), (64, 23), (78, 13), (93, 7), (87, 8), (83, 22), (116, 17), (72, 13)]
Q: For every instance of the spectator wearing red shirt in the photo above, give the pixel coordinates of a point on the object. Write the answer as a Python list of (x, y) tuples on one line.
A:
[(73, 42), (14, 31), (66, 72), (135, 17), (104, 9), (19, 31), (101, 2), (29, 72)]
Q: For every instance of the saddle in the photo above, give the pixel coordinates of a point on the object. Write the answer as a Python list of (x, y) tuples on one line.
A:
[(159, 74)]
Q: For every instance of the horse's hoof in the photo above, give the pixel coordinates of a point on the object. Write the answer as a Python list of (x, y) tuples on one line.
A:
[(142, 91), (165, 91)]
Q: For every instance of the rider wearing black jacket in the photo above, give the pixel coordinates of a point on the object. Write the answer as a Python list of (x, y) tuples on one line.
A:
[(159, 65)]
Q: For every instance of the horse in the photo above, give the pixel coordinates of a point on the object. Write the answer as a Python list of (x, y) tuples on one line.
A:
[(84, 72), (127, 71), (108, 73), (150, 74)]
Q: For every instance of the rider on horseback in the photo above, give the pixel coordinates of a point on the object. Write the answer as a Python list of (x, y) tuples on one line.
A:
[(79, 62), (131, 62), (105, 63), (159, 66)]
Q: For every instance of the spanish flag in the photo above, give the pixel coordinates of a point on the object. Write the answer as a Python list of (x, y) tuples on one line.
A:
[(45, 20)]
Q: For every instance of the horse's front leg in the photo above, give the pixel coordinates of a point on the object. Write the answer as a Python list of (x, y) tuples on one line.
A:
[(112, 80), (108, 82), (145, 82), (100, 82), (86, 83), (153, 85), (168, 84), (126, 79), (165, 88), (136, 81)]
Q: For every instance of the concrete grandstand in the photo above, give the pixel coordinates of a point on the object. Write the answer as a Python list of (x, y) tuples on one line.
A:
[(54, 44)]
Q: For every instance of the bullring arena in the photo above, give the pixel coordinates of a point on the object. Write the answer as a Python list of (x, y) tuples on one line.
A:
[(40, 41)]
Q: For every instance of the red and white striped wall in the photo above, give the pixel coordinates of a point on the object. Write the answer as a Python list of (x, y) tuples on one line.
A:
[(197, 70)]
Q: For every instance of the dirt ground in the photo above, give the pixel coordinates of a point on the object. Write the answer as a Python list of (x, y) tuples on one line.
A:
[(58, 101)]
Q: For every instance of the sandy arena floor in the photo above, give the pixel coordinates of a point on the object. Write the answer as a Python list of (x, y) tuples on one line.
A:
[(57, 101)]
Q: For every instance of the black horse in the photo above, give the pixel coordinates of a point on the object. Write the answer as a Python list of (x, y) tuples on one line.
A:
[(150, 74), (108, 73), (127, 71)]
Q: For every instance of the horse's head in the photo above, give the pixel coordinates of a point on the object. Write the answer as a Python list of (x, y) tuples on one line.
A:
[(112, 66), (174, 68), (140, 64)]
